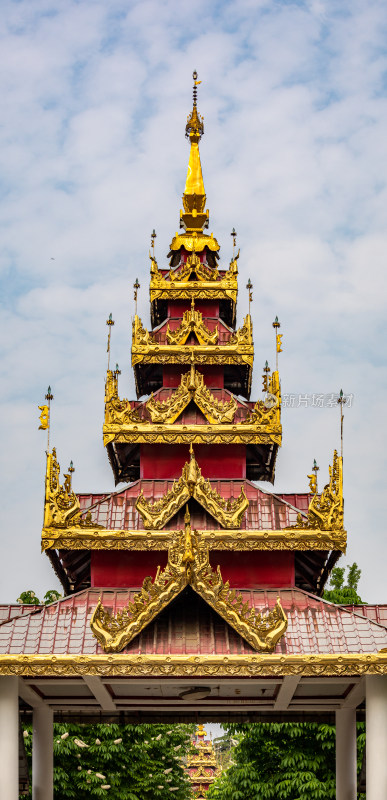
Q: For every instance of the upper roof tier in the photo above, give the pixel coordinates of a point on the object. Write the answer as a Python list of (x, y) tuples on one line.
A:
[(194, 254)]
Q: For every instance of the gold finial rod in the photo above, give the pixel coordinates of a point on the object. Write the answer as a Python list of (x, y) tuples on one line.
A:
[(137, 285), (341, 401), (153, 237), (313, 478), (278, 341), (49, 396), (109, 323), (234, 235), (265, 377), (249, 287)]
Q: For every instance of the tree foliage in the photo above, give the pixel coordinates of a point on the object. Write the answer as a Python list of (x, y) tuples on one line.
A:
[(281, 761), (119, 762), (29, 598), (341, 592)]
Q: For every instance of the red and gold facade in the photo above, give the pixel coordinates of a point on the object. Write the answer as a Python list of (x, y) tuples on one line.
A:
[(191, 447)]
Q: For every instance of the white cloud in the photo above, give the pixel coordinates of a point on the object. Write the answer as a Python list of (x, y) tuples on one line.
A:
[(92, 157)]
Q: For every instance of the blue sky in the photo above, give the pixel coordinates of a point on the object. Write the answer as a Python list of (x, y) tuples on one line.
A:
[(93, 157)]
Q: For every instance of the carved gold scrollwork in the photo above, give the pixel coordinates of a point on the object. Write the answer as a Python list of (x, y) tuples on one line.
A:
[(61, 505), (193, 265), (192, 484), (192, 322), (326, 510), (188, 564), (117, 411), (140, 335), (192, 387), (267, 411)]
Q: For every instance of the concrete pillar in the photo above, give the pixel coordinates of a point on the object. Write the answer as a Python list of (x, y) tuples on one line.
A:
[(346, 754), (376, 736), (43, 754), (9, 738)]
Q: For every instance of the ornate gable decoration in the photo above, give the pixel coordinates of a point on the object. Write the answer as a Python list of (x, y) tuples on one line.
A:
[(192, 387), (188, 565), (192, 484), (209, 286), (326, 510), (61, 505), (192, 322)]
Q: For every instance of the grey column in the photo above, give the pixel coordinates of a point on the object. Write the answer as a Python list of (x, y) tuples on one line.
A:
[(376, 736), (346, 754), (43, 754), (9, 738)]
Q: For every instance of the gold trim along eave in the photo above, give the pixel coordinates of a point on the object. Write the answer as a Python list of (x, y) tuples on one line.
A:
[(201, 666), (237, 354), (296, 539), (150, 433)]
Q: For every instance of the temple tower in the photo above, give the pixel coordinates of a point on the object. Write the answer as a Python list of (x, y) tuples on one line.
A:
[(201, 765)]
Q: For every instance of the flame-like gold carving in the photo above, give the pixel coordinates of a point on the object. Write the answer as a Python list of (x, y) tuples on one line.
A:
[(188, 564), (210, 287), (268, 411), (239, 349), (326, 510), (192, 484), (117, 411), (192, 322), (61, 505), (193, 266), (192, 387)]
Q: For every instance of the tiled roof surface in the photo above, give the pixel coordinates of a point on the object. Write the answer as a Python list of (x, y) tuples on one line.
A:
[(189, 626), (265, 511), (375, 613), (10, 612)]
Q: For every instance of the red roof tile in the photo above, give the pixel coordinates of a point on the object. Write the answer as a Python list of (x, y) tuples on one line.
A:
[(189, 626), (265, 511)]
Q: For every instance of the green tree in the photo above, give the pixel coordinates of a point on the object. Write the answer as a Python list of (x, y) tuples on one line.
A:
[(29, 598), (341, 592), (119, 762), (281, 761)]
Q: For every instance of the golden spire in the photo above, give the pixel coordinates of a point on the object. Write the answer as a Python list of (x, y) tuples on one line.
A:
[(194, 217)]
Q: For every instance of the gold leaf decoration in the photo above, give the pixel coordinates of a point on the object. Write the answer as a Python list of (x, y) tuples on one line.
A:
[(188, 564), (192, 484)]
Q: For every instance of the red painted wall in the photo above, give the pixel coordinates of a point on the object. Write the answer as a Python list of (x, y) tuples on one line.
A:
[(176, 308), (213, 375), (258, 569), (242, 570), (215, 461), (122, 569)]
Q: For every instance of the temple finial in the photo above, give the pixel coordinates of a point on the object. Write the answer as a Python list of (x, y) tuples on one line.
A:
[(194, 217)]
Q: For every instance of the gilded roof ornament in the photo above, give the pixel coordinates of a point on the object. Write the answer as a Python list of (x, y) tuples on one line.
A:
[(61, 504), (228, 513), (326, 510), (188, 565), (194, 218)]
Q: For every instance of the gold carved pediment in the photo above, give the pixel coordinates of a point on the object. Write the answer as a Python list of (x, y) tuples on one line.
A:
[(192, 387), (192, 484), (192, 322), (188, 565)]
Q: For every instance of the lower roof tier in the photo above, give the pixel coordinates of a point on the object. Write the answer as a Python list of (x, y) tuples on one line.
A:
[(190, 627)]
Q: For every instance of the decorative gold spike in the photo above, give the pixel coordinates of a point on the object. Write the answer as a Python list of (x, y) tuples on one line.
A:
[(188, 564), (192, 484)]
